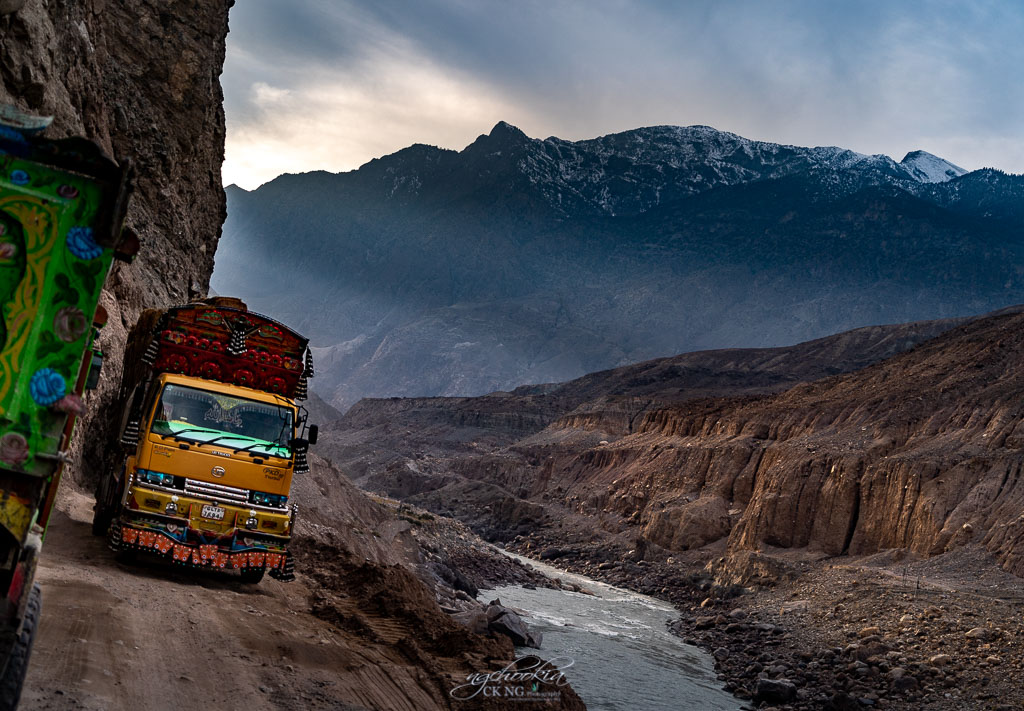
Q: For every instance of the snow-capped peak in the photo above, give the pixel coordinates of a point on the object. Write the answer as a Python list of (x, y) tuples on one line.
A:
[(929, 168)]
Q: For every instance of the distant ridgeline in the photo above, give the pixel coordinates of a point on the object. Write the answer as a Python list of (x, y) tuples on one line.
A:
[(520, 260)]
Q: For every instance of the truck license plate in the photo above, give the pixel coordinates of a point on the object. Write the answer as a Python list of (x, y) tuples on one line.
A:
[(214, 512)]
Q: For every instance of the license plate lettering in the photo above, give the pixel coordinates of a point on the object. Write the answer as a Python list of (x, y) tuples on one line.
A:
[(212, 512)]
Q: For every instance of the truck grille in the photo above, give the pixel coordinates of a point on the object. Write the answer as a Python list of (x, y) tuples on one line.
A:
[(217, 491)]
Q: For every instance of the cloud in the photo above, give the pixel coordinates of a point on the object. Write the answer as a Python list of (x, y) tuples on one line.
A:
[(311, 84)]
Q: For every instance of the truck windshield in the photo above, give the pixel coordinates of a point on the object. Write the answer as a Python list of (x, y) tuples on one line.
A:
[(237, 423)]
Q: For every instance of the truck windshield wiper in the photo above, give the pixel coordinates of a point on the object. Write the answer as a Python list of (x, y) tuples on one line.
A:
[(211, 441), (176, 435), (267, 446)]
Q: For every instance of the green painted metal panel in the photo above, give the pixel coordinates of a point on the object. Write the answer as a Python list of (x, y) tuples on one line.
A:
[(61, 208)]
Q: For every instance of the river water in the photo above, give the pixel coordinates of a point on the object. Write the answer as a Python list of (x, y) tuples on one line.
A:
[(625, 659)]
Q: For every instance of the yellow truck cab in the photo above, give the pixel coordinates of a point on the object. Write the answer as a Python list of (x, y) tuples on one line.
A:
[(209, 460)]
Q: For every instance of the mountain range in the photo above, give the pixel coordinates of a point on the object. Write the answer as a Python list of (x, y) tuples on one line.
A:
[(519, 260)]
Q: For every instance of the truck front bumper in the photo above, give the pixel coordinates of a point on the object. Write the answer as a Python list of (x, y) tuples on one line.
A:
[(189, 538)]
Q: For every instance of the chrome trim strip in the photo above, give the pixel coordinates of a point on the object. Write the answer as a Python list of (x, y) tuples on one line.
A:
[(220, 487), (243, 495), (201, 488), (257, 507)]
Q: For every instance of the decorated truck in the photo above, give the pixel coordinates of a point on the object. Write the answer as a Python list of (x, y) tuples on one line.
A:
[(212, 436), (62, 206)]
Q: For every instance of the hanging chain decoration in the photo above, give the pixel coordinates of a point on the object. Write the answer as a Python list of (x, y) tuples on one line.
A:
[(152, 351), (130, 437), (241, 329), (301, 463), (302, 389)]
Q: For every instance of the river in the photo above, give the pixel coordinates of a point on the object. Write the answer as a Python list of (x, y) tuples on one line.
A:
[(625, 659)]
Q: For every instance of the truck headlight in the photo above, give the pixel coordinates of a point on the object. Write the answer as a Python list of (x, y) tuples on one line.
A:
[(158, 478), (263, 499)]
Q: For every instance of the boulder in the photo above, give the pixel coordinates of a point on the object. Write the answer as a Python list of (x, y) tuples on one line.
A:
[(704, 622), (512, 626), (904, 683), (842, 701), (503, 621), (475, 620), (774, 691), (749, 568), (982, 634)]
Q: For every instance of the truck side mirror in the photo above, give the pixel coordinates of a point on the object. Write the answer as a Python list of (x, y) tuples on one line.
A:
[(314, 431)]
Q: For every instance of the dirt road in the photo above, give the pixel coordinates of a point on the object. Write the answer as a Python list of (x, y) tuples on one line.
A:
[(148, 636)]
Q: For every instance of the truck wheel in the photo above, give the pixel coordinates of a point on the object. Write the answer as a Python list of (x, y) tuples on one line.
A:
[(101, 518), (17, 664), (103, 510), (252, 576)]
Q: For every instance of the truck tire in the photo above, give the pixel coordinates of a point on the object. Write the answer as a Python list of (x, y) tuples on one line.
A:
[(17, 664), (101, 519), (250, 576), (103, 509)]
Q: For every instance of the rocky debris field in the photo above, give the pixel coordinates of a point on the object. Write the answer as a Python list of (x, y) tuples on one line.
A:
[(391, 610), (847, 637), (836, 633)]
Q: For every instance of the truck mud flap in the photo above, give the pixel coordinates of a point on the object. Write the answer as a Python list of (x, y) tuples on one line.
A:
[(286, 573)]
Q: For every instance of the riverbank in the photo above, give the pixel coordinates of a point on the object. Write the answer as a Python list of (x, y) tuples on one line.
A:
[(616, 646), (842, 633)]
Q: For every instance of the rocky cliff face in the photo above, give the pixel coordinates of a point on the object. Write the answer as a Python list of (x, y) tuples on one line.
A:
[(378, 433), (142, 80), (920, 451)]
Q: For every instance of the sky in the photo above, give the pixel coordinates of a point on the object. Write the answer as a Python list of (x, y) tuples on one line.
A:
[(332, 84)]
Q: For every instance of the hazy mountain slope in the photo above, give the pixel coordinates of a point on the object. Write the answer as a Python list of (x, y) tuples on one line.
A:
[(404, 446), (922, 450), (435, 272)]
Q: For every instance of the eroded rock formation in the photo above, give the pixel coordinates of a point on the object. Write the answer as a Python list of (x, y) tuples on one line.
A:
[(920, 451)]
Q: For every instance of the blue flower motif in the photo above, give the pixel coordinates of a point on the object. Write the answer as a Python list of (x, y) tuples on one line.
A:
[(81, 243), (19, 177), (47, 386)]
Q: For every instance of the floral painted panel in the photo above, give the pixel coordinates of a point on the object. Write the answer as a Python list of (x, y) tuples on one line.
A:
[(51, 273)]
